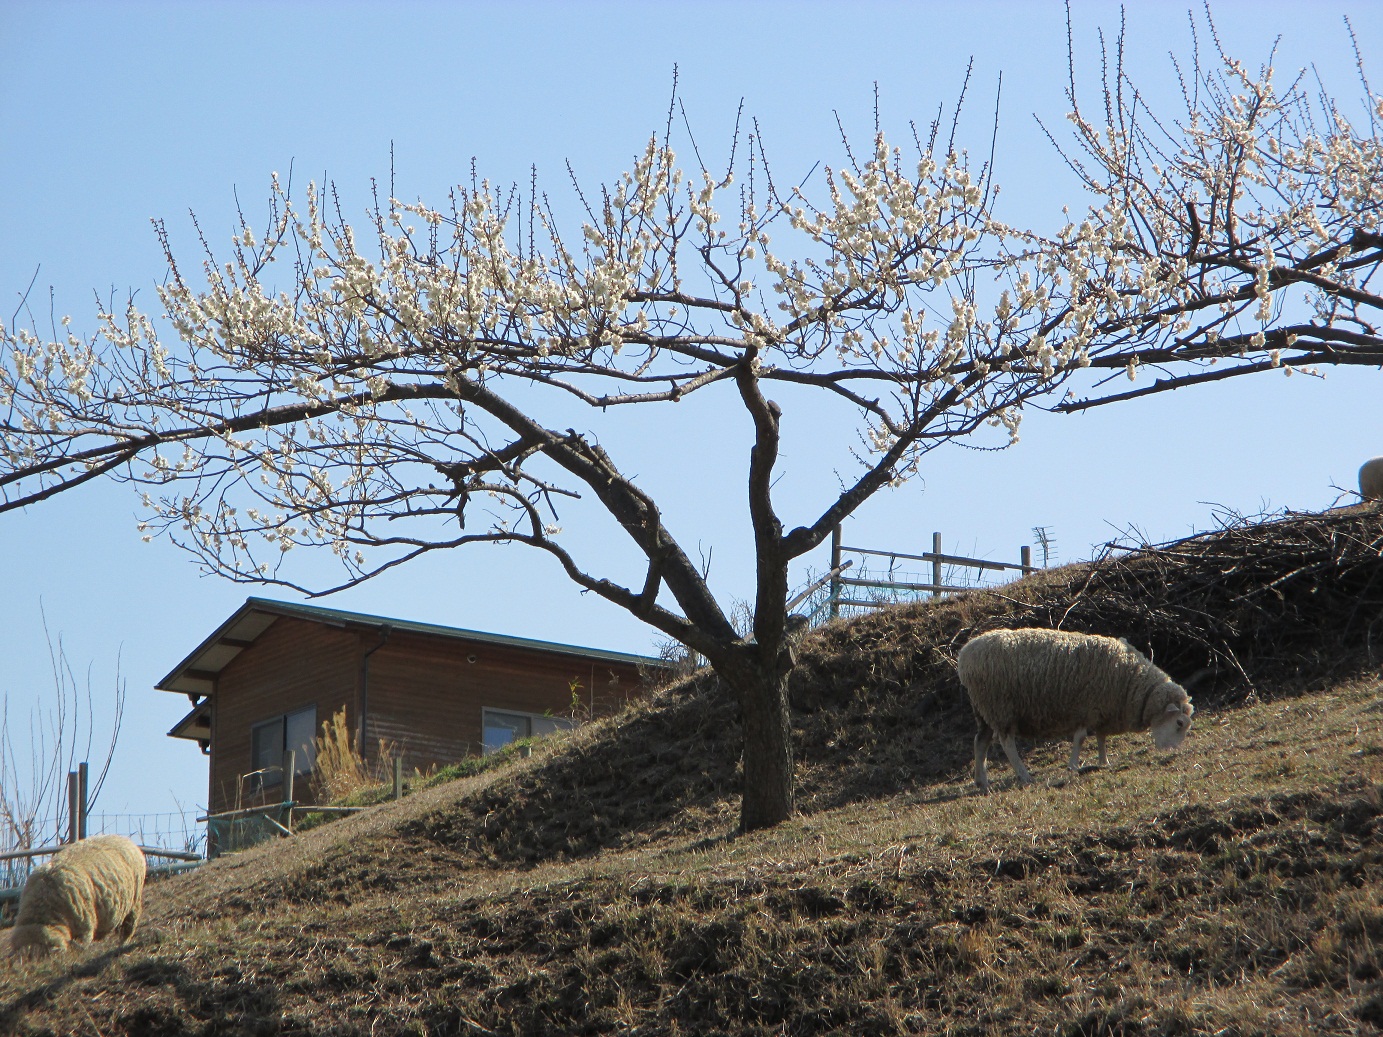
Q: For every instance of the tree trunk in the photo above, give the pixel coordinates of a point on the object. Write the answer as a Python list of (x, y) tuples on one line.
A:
[(767, 797)]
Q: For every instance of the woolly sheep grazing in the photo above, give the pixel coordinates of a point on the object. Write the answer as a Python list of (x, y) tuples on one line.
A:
[(89, 890), (1371, 479), (1036, 683)]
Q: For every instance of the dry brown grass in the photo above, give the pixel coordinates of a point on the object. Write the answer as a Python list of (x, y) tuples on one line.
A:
[(1231, 888), (1235, 887)]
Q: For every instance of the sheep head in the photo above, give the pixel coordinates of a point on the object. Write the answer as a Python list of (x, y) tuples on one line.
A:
[(1169, 729), (39, 941)]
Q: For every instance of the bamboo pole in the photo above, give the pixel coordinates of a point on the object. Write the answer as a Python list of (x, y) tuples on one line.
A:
[(14, 855), (148, 851)]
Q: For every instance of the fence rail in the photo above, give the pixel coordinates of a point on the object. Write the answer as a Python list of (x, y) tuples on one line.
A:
[(936, 587), (149, 851)]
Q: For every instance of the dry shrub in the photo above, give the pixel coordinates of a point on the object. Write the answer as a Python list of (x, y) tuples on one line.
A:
[(340, 769)]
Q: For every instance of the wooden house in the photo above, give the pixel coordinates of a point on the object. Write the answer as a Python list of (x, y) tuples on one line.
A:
[(273, 673)]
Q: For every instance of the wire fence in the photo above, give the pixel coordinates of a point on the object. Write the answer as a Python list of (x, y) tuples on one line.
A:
[(14, 873), (172, 830), (176, 831)]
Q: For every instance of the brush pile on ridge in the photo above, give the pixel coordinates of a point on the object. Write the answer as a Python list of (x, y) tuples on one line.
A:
[(1253, 609)]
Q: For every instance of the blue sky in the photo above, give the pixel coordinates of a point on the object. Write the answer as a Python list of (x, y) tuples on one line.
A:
[(113, 113)]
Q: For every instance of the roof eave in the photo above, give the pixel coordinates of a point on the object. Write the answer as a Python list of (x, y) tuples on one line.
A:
[(189, 679)]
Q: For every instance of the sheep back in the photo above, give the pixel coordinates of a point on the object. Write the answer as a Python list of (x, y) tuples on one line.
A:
[(1371, 479), (1038, 683), (89, 890)]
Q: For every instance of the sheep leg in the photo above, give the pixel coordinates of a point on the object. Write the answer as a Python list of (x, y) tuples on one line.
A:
[(126, 928), (1010, 744), (1104, 760), (1076, 739), (982, 739)]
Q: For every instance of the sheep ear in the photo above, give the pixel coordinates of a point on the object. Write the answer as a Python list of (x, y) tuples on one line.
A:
[(1173, 708)]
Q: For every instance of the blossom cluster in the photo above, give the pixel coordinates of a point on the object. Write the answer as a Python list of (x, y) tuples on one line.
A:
[(1247, 234)]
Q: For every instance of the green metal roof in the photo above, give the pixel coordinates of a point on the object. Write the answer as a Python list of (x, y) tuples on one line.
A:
[(196, 673)]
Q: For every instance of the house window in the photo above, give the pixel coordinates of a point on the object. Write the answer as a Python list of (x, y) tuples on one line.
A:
[(501, 727), (271, 739)]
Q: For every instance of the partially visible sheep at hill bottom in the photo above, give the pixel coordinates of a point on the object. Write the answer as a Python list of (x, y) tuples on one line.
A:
[(89, 889), (1371, 479), (1037, 683)]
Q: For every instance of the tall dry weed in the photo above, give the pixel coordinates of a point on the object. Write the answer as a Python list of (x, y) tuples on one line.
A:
[(340, 769)]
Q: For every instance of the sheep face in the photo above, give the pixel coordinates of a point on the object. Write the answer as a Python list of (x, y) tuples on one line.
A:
[(1169, 731)]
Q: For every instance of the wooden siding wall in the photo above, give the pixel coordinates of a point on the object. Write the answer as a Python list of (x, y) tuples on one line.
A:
[(425, 695), (292, 665)]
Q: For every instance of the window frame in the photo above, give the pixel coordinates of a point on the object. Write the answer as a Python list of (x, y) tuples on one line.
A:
[(556, 723), (261, 773)]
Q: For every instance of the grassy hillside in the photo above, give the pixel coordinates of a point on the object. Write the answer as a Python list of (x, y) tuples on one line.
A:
[(1235, 887)]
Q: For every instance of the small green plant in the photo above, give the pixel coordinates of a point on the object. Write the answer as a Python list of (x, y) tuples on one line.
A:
[(579, 708)]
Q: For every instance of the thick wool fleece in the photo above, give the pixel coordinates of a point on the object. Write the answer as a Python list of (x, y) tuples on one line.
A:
[(1371, 479), (89, 890), (1036, 683)]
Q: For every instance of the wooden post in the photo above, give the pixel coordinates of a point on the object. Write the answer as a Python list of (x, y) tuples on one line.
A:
[(398, 777), (936, 564), (81, 800), (290, 762), (1027, 559), (835, 565), (290, 769), (73, 825)]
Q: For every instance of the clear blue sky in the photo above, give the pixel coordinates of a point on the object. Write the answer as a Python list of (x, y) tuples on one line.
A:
[(113, 113)]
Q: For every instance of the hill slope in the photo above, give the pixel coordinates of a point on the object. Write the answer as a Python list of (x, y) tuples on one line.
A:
[(1234, 887)]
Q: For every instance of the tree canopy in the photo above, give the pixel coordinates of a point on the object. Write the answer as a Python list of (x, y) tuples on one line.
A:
[(409, 385)]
